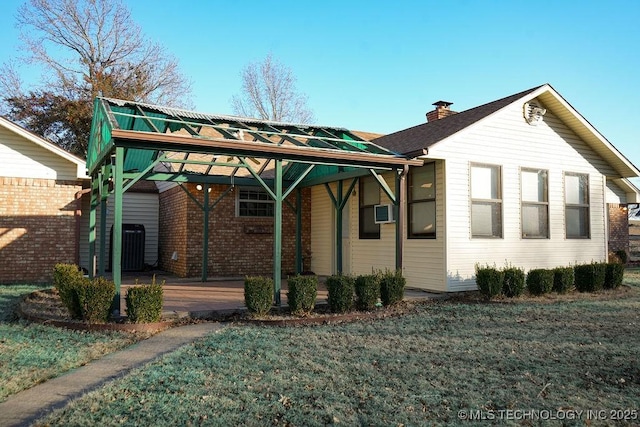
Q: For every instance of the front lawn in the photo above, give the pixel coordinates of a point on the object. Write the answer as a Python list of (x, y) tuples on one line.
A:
[(31, 353), (578, 352)]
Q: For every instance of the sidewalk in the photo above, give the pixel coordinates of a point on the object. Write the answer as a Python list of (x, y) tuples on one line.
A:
[(23, 408)]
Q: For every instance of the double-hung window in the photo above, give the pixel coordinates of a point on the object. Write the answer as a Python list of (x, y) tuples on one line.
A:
[(535, 203), (422, 202), (369, 198), (254, 202), (576, 206), (486, 201)]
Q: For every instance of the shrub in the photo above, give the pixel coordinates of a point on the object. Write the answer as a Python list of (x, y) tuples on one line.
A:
[(623, 256), (302, 294), (614, 275), (66, 278), (513, 281), (540, 281), (258, 294), (489, 281), (590, 277), (95, 298), (563, 279), (392, 287), (341, 290), (367, 291), (144, 303)]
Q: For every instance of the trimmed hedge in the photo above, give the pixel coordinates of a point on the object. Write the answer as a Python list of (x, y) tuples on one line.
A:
[(513, 281), (590, 277), (489, 281), (540, 281), (392, 287), (258, 294), (614, 275), (144, 303), (95, 298), (563, 279), (66, 279), (623, 256), (302, 294), (341, 289), (367, 291)]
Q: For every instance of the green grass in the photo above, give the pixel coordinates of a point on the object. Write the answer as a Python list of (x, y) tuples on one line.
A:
[(32, 353), (577, 352)]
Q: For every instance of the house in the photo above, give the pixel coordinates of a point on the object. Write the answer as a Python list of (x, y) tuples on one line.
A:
[(524, 180), (40, 191), (44, 205)]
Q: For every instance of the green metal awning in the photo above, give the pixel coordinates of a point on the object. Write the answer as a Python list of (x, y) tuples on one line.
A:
[(132, 141), (210, 144)]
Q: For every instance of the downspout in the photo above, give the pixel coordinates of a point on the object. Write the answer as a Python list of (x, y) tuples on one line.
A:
[(78, 214)]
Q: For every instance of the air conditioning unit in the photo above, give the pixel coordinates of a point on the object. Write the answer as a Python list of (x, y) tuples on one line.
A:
[(383, 214)]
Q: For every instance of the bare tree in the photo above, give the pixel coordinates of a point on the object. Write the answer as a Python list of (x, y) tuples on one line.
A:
[(88, 48), (269, 93)]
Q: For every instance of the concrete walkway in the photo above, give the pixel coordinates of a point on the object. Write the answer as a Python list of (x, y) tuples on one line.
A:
[(23, 408)]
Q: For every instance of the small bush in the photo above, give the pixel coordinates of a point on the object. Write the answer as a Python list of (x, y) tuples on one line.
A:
[(563, 279), (95, 298), (620, 256), (489, 281), (144, 303), (367, 291), (258, 294), (513, 281), (66, 278), (302, 294), (392, 287), (590, 277), (614, 275), (340, 290), (540, 281)]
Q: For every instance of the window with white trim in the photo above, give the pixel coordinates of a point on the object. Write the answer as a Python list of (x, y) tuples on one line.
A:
[(254, 202), (534, 203), (576, 206), (486, 201), (421, 202)]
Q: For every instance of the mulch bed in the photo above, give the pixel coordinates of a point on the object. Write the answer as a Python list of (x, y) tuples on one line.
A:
[(45, 307)]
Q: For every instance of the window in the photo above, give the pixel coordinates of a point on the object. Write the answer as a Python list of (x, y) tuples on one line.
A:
[(369, 197), (576, 206), (422, 202), (486, 201), (254, 202), (535, 204)]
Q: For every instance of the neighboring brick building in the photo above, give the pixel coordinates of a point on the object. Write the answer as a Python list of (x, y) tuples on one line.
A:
[(39, 207)]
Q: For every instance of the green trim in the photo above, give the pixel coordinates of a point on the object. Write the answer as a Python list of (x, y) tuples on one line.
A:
[(277, 233)]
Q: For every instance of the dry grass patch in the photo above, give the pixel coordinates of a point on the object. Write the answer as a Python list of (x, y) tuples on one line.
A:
[(419, 369)]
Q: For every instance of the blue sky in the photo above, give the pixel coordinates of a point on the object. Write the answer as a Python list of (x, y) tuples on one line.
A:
[(378, 66)]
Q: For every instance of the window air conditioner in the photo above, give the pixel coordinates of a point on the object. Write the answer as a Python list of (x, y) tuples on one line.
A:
[(383, 214)]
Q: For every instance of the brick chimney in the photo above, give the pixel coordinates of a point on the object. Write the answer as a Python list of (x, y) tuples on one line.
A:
[(442, 110)]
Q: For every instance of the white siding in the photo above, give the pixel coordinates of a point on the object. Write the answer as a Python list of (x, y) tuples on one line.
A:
[(424, 259), (505, 139), (368, 255), (139, 208), (322, 231), (615, 194), (22, 158)]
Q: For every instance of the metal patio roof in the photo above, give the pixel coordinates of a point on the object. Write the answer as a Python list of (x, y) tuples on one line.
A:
[(179, 145)]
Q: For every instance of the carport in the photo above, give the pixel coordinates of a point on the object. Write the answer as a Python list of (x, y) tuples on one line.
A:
[(133, 141)]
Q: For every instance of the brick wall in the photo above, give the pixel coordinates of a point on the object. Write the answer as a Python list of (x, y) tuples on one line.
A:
[(618, 228), (172, 231), (237, 246), (37, 228)]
